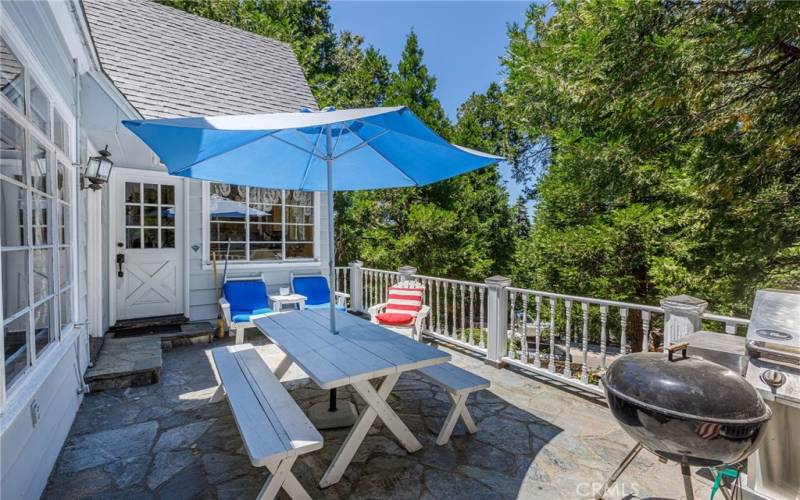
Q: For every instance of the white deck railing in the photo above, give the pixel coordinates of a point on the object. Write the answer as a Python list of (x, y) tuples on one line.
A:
[(565, 337)]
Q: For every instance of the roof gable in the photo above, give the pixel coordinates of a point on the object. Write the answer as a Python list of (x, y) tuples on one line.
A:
[(169, 63)]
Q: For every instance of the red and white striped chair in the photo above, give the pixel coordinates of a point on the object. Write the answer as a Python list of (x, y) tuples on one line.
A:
[(403, 312)]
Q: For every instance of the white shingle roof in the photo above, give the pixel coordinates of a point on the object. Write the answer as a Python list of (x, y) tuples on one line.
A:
[(169, 63)]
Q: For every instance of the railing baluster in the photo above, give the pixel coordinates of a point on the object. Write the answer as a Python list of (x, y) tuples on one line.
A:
[(446, 329), (472, 315), (513, 301), (603, 334), (438, 307), (585, 346), (463, 326), (645, 331), (537, 359), (429, 301), (524, 331), (623, 325), (567, 345), (482, 322), (455, 312), (551, 363)]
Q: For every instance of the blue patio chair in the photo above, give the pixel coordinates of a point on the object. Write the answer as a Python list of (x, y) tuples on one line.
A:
[(317, 293), (243, 299)]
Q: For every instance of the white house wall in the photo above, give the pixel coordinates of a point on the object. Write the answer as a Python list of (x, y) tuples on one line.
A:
[(30, 447)]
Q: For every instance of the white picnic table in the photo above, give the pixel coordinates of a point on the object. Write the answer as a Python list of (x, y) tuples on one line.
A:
[(360, 352)]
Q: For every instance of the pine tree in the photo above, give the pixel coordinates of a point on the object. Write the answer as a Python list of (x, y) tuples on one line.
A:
[(522, 221)]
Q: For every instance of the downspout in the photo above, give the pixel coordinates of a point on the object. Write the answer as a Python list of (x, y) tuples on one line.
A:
[(82, 387)]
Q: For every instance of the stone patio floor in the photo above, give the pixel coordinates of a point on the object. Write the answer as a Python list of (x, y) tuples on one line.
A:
[(534, 440)]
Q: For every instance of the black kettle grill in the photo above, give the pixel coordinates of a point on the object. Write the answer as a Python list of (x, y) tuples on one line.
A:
[(684, 409)]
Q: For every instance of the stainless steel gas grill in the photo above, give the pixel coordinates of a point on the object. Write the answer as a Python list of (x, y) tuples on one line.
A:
[(773, 368)]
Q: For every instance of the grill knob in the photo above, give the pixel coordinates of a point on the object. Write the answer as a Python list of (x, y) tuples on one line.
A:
[(773, 378)]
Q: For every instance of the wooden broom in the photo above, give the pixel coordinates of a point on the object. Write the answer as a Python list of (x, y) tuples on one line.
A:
[(220, 332)]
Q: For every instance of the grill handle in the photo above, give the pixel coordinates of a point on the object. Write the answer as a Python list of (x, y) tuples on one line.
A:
[(680, 346)]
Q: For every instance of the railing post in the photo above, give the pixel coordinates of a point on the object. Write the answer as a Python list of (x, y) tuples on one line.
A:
[(407, 273), (356, 303), (497, 319), (681, 317)]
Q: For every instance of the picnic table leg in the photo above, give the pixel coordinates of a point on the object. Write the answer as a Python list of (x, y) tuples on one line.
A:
[(277, 478), (360, 429), (456, 411)]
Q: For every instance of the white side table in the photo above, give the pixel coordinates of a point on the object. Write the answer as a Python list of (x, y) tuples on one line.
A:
[(278, 301)]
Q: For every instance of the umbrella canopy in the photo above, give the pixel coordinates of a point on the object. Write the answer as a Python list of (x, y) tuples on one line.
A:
[(334, 150)]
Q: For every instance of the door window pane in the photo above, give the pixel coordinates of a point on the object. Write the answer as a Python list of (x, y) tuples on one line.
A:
[(12, 214), (40, 168), (167, 194), (42, 269), (15, 281), (12, 76), (167, 216), (132, 215), (133, 238), (150, 193), (264, 196), (167, 238), (42, 315), (15, 341), (265, 213), (150, 238), (63, 223), (227, 192), (132, 192), (12, 152), (40, 108), (151, 216)]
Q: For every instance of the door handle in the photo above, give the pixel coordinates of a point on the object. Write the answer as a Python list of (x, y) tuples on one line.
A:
[(120, 261)]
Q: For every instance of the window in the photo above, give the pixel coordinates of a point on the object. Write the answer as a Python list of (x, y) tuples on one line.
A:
[(149, 215), (36, 198), (60, 133), (261, 224), (12, 77)]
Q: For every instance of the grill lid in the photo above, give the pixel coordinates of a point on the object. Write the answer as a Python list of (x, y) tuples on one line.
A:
[(686, 387)]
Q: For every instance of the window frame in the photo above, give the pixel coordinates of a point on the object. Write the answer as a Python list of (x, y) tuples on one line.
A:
[(32, 134), (262, 264)]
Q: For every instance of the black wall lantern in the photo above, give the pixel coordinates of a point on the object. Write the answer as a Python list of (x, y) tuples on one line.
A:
[(97, 170)]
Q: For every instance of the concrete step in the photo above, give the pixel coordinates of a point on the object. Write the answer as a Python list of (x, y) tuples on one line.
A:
[(126, 362)]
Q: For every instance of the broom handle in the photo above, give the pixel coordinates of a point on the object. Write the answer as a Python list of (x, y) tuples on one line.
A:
[(227, 257)]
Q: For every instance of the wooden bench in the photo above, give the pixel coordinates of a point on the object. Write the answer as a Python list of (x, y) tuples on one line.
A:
[(459, 384), (275, 431)]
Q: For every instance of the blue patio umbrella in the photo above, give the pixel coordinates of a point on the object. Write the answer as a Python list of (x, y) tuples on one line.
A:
[(332, 150)]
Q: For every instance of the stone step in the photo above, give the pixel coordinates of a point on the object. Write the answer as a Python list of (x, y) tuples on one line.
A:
[(126, 362), (199, 332), (126, 325)]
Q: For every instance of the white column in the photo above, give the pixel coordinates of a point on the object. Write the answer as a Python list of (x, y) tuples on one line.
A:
[(681, 317), (497, 319), (356, 303)]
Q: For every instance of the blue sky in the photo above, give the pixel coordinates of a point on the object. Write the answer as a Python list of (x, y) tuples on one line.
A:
[(463, 41)]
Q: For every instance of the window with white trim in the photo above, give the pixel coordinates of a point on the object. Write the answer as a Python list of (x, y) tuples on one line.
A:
[(36, 244), (261, 224)]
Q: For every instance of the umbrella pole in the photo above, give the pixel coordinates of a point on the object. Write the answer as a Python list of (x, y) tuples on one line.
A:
[(329, 161)]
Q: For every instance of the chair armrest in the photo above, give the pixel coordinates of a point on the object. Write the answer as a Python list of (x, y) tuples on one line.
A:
[(423, 313), (225, 306), (341, 298), (375, 310)]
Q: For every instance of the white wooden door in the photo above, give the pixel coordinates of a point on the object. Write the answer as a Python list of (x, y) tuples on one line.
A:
[(148, 250)]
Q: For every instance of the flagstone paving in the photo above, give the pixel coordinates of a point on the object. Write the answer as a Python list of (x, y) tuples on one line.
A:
[(534, 440)]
